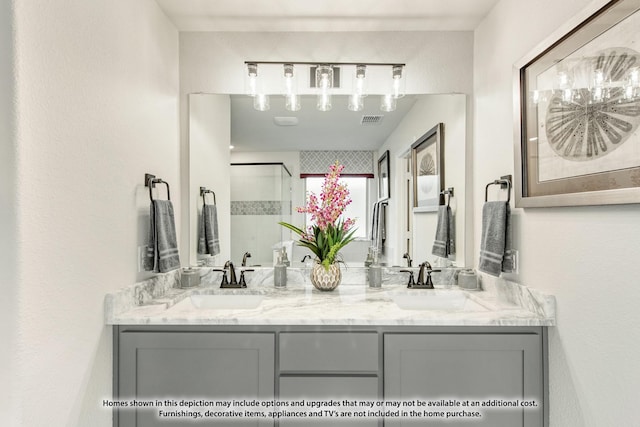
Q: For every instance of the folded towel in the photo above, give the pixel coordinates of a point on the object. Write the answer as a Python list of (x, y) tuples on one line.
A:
[(496, 254), (162, 250), (444, 243), (209, 242)]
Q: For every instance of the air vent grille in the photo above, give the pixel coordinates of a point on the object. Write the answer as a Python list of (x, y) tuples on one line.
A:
[(371, 119)]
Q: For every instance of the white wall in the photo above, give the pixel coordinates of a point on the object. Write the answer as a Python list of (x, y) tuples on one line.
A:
[(425, 114), (209, 136), (586, 256), (97, 107)]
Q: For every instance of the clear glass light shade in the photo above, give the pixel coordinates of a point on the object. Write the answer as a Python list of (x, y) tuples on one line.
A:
[(388, 102), (356, 102), (359, 81), (324, 82), (251, 80), (289, 80), (324, 101), (398, 88), (292, 102), (261, 102)]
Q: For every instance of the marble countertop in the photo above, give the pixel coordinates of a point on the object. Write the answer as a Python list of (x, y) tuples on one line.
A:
[(160, 302)]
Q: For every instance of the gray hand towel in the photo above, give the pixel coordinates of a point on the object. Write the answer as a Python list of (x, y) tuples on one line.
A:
[(444, 243), (209, 243), (495, 246), (162, 250)]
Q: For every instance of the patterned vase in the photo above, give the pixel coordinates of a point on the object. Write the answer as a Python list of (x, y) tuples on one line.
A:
[(325, 280)]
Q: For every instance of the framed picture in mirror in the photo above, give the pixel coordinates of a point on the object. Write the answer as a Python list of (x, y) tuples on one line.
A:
[(427, 166), (384, 173), (577, 112)]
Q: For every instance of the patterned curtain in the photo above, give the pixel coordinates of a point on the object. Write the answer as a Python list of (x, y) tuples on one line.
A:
[(356, 163)]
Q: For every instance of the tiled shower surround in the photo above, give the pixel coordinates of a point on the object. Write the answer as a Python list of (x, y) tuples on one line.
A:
[(260, 207)]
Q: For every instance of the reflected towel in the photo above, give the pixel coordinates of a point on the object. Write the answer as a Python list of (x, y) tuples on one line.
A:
[(208, 242), (162, 250), (378, 232), (496, 253), (444, 242)]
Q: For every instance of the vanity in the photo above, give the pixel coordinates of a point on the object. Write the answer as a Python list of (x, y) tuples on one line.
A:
[(355, 344)]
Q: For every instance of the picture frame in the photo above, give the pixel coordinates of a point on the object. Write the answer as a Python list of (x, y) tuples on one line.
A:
[(576, 112), (427, 169), (384, 177)]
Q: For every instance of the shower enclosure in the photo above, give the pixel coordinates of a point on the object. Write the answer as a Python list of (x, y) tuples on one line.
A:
[(260, 198)]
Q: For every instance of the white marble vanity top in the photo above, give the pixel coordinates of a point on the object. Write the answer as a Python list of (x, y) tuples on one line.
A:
[(160, 302)]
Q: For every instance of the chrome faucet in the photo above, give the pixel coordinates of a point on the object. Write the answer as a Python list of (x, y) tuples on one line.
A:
[(244, 258), (408, 258)]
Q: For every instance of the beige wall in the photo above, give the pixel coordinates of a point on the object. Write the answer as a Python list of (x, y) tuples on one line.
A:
[(586, 256)]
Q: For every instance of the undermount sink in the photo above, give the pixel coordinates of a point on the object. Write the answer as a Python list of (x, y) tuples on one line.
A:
[(226, 302), (436, 300)]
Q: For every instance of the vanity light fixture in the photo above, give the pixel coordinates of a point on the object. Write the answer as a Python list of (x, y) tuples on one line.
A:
[(388, 103), (325, 81), (261, 102), (398, 81), (252, 79), (292, 101)]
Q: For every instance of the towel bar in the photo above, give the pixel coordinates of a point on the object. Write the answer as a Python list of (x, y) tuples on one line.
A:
[(504, 182), (203, 192), (151, 181)]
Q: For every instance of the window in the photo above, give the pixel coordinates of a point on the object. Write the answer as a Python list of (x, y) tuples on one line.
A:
[(357, 209)]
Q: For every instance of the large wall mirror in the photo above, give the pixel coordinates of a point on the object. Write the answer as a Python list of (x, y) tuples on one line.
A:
[(252, 198)]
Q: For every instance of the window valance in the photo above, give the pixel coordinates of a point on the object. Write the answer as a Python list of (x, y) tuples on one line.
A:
[(356, 163)]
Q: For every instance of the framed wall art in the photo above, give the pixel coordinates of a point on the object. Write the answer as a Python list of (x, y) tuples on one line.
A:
[(427, 165), (384, 172), (577, 112)]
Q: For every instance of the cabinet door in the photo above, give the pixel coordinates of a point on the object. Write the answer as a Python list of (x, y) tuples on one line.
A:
[(336, 388), (470, 367), (193, 365)]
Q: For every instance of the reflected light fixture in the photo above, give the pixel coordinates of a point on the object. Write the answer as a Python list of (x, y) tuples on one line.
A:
[(261, 102), (356, 101), (324, 82), (388, 103)]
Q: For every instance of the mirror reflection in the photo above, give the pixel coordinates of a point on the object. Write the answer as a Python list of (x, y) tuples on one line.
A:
[(273, 181)]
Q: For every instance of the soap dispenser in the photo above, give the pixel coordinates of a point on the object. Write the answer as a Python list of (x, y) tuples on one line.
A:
[(285, 258), (375, 271), (369, 260), (280, 274)]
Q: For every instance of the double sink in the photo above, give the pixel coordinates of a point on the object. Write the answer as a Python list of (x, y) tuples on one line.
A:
[(438, 299)]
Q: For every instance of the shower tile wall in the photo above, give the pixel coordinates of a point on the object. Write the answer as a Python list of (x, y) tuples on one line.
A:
[(259, 200)]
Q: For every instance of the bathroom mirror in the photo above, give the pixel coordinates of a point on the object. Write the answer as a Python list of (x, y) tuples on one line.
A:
[(277, 136)]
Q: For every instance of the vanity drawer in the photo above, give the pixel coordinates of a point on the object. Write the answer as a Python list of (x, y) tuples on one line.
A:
[(328, 352)]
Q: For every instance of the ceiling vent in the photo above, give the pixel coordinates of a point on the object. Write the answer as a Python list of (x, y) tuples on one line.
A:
[(371, 119)]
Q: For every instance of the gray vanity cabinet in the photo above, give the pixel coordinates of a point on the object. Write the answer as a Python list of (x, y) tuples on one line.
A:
[(190, 365), (467, 367), (334, 366), (402, 363)]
